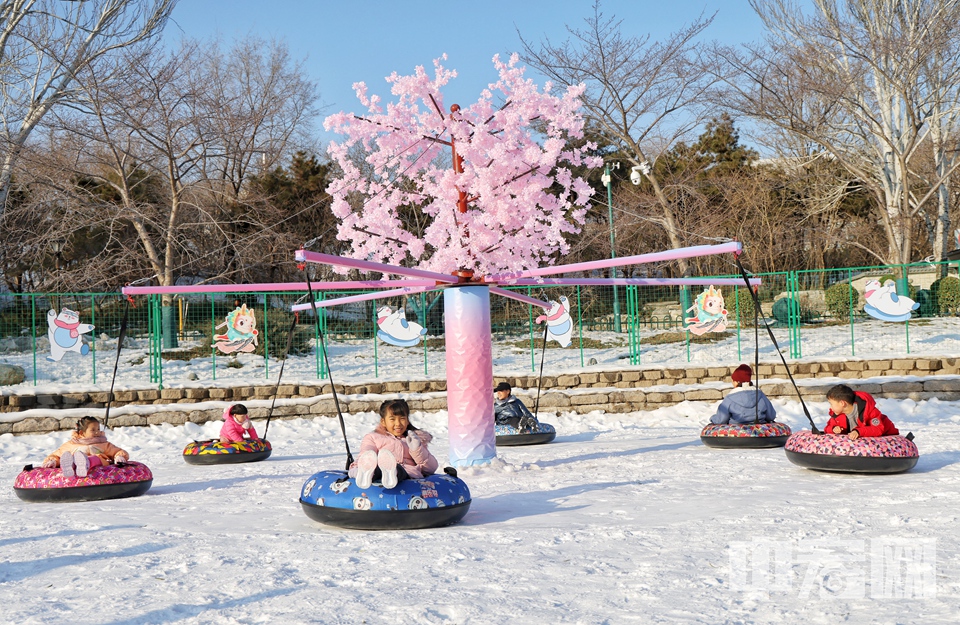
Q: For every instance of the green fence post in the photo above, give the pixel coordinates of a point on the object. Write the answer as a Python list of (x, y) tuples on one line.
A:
[(423, 307), (376, 351), (853, 342), (266, 338), (213, 339), (736, 301), (533, 359), (33, 332), (579, 324), (93, 342)]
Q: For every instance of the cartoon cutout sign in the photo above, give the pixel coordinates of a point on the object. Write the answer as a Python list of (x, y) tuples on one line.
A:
[(241, 333), (559, 325), (393, 328), (710, 314), (64, 334), (884, 304)]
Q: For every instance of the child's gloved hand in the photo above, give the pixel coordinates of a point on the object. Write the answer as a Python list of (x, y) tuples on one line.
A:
[(120, 458), (246, 425), (413, 441), (49, 463)]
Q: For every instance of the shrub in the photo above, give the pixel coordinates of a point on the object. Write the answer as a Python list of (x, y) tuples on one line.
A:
[(740, 303), (946, 295), (838, 298)]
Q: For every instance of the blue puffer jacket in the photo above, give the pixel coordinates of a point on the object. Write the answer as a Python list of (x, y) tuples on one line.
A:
[(509, 408), (740, 406)]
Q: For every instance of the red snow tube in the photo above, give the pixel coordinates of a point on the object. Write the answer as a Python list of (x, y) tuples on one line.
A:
[(103, 482), (745, 435), (837, 452)]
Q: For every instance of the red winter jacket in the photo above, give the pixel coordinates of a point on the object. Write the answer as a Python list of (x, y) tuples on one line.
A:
[(871, 422)]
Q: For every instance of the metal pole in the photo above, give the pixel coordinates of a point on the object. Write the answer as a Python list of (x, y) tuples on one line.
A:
[(613, 251)]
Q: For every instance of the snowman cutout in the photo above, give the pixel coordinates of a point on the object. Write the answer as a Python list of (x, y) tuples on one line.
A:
[(65, 333)]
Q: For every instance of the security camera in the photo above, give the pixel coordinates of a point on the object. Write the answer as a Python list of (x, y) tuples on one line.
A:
[(635, 174)]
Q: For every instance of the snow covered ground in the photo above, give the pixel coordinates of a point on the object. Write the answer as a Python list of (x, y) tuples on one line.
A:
[(623, 519)]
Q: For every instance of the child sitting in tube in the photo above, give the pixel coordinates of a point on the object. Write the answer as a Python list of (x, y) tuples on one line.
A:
[(508, 410), (86, 449), (855, 414), (394, 451), (236, 425), (741, 404)]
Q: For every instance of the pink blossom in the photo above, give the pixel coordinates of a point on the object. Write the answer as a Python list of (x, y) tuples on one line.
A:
[(397, 197)]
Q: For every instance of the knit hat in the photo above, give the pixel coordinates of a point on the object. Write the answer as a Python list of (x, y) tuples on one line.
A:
[(742, 374)]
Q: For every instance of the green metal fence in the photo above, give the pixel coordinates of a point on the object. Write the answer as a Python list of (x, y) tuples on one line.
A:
[(814, 315)]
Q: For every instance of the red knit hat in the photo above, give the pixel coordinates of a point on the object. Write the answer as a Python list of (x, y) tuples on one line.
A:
[(742, 374)]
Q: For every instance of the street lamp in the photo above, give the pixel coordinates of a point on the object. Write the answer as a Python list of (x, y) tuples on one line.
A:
[(605, 178)]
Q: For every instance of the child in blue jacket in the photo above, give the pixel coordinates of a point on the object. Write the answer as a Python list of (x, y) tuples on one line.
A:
[(740, 406)]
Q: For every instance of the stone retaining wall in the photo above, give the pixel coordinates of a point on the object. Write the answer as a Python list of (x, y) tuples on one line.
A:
[(610, 391)]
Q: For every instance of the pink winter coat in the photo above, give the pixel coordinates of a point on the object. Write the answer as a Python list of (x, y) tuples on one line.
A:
[(416, 463), (232, 432)]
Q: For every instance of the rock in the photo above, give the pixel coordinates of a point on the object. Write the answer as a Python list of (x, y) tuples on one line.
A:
[(11, 374), (591, 362), (104, 336), (192, 376)]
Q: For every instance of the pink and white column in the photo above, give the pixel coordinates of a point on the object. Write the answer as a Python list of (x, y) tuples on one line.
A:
[(469, 375)]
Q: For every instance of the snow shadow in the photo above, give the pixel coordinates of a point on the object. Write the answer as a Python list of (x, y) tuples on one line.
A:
[(181, 611), (193, 487), (618, 454), (16, 571), (63, 533), (929, 463), (501, 508)]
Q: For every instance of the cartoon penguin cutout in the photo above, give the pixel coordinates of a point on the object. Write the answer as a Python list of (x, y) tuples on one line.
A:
[(64, 332), (884, 304), (559, 325), (393, 328)]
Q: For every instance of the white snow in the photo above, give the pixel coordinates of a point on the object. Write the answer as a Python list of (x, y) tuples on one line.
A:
[(625, 518)]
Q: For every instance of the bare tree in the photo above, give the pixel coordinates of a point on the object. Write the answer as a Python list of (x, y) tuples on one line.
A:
[(44, 44), (849, 77), (642, 95)]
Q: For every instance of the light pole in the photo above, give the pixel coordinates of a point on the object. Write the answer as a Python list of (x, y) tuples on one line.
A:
[(613, 253)]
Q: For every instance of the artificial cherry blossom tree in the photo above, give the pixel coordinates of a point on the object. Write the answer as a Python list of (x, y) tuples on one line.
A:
[(487, 187)]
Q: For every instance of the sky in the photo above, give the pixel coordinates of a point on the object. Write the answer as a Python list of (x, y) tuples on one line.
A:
[(346, 42)]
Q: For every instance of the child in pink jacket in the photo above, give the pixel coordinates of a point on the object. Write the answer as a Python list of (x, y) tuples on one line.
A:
[(86, 449), (236, 424), (394, 451)]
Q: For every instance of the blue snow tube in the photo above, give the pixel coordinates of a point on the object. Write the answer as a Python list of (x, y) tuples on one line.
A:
[(509, 436), (333, 498)]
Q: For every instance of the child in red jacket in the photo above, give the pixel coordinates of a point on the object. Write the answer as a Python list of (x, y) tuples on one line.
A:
[(855, 414)]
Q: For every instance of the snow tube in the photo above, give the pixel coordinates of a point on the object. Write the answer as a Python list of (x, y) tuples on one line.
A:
[(103, 482), (215, 452), (332, 498), (836, 452), (508, 436), (745, 435)]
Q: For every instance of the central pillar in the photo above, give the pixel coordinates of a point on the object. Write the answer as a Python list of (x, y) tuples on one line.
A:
[(466, 316)]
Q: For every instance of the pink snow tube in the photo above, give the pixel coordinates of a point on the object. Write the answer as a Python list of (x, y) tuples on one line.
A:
[(837, 452), (103, 482)]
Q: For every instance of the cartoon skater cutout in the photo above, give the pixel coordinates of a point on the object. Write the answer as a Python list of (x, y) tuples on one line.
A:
[(559, 325), (710, 314), (64, 331), (393, 328), (884, 304), (241, 333)]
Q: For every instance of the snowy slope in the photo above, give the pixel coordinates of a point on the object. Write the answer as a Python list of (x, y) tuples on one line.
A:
[(623, 519)]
